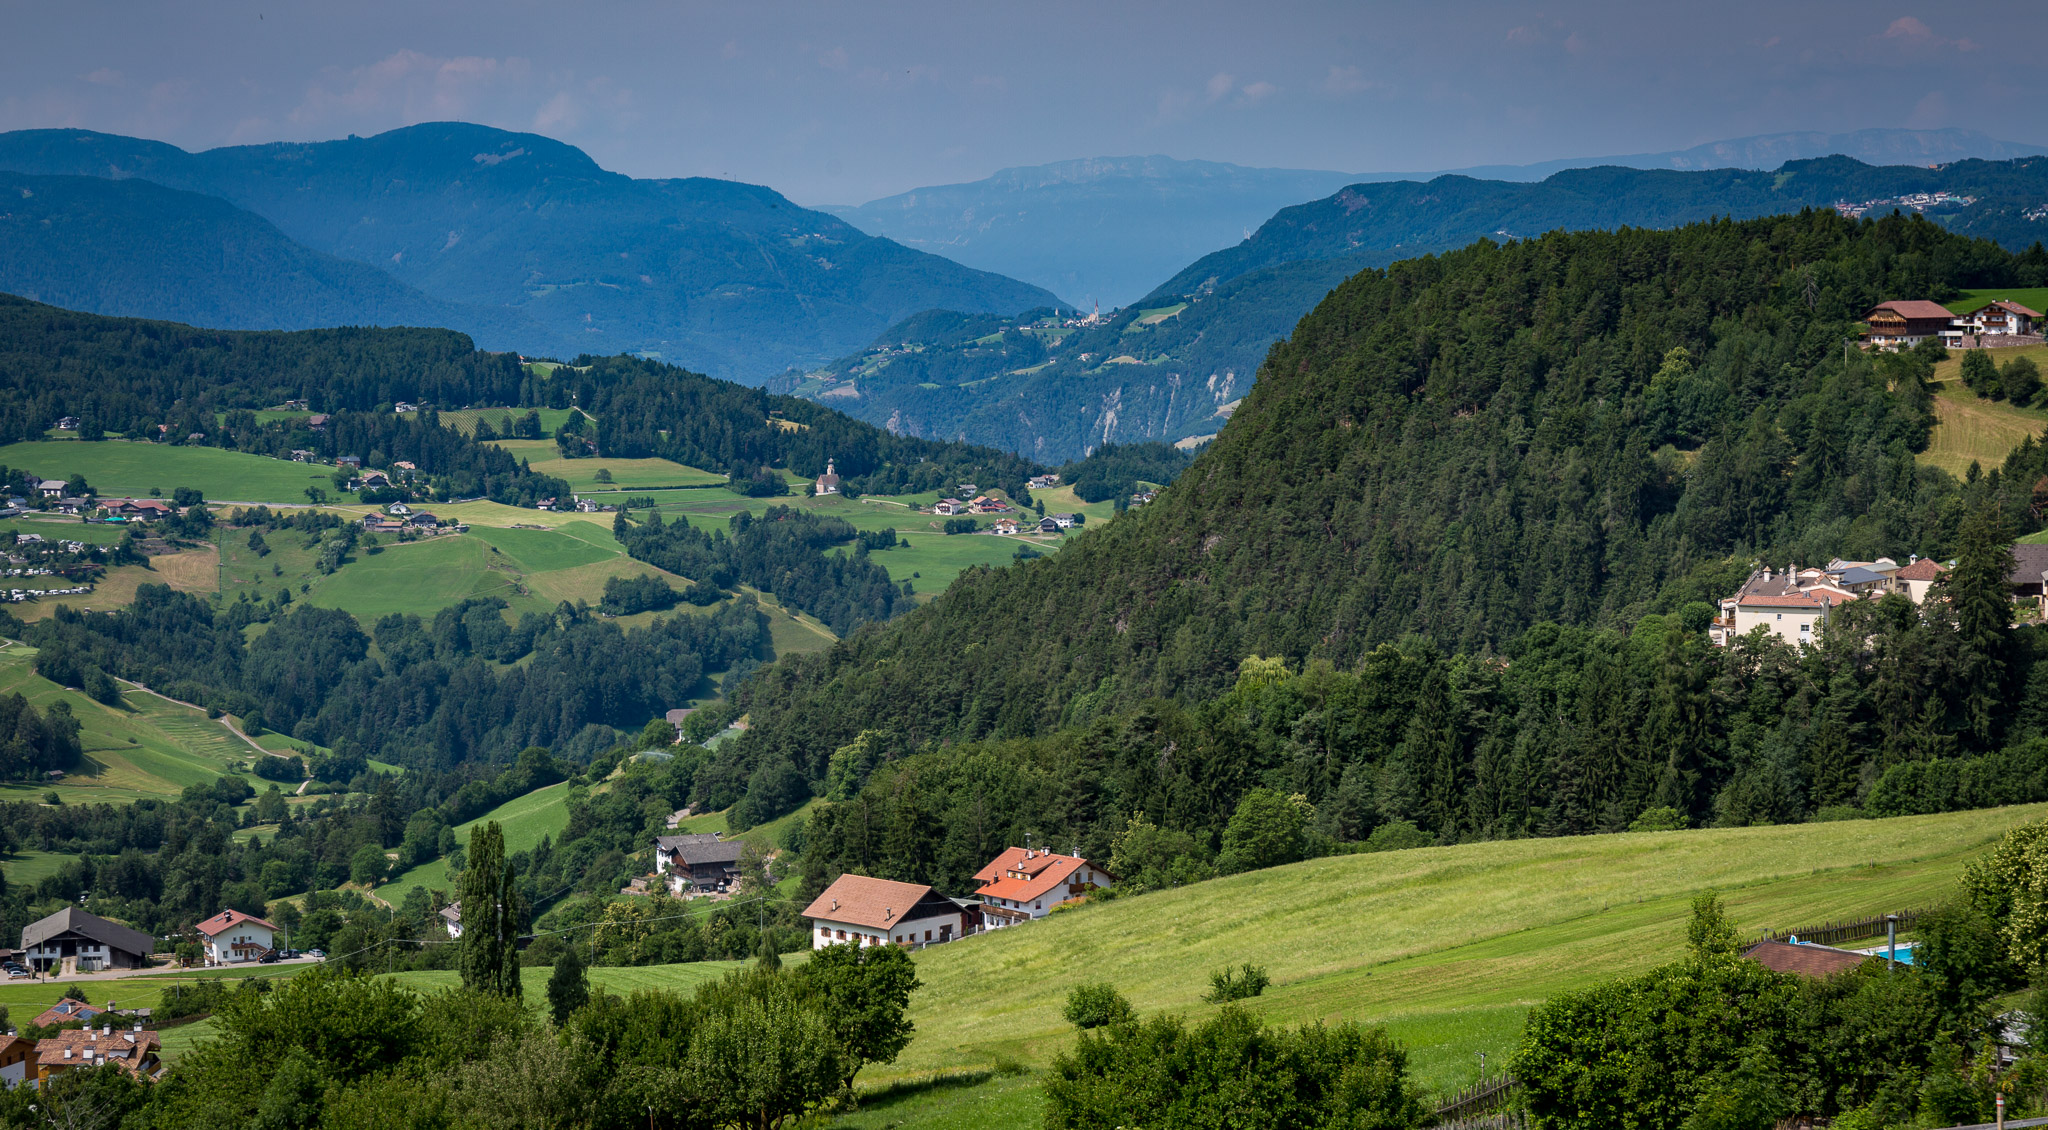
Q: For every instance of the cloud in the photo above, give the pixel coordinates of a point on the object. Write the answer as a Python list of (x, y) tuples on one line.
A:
[(1931, 112), (833, 60), (105, 76), (1257, 92), (409, 86), (1911, 33), (1220, 85), (1346, 80)]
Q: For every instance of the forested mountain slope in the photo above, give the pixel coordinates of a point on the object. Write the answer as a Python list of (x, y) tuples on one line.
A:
[(1576, 429), (139, 249), (1176, 376), (727, 278)]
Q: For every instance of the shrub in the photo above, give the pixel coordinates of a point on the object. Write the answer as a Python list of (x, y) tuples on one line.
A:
[(1398, 836), (1097, 1005), (1662, 818), (1224, 985)]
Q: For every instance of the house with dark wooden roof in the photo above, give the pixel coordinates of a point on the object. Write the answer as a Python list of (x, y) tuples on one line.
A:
[(1902, 324), (697, 861), (858, 910), (1804, 959), (71, 940), (2029, 578)]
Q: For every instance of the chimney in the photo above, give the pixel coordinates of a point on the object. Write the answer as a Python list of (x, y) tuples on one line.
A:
[(835, 904)]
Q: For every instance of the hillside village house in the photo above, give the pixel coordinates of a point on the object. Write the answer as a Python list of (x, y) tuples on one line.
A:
[(697, 861), (451, 919), (1803, 958), (2002, 318), (947, 506), (17, 1060), (66, 1011), (1049, 525), (828, 483), (1022, 884), (52, 488), (2029, 578), (134, 1050), (73, 941), (1066, 521), (1916, 578), (1005, 526), (1903, 324), (232, 936), (1795, 604), (873, 912)]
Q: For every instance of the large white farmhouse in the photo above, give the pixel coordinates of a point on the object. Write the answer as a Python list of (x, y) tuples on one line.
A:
[(873, 912), (233, 936), (1022, 884)]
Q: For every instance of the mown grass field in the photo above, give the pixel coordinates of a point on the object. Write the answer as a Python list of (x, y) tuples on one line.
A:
[(464, 420), (119, 467), (2034, 298), (627, 474), (148, 747), (1972, 429), (524, 820), (1447, 946)]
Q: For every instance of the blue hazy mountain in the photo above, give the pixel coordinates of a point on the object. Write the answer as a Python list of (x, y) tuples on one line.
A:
[(726, 278)]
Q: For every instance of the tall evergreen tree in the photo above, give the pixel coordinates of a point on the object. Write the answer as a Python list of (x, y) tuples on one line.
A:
[(1980, 600), (493, 916)]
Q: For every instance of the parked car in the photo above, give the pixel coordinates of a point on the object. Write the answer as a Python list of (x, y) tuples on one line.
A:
[(269, 957), (317, 955)]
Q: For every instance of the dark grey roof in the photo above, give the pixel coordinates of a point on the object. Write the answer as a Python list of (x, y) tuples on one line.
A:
[(77, 921), (684, 839), (2032, 561), (694, 854), (1861, 576)]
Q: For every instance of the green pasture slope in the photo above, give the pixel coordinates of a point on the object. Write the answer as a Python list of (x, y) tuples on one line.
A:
[(1449, 947), (2033, 298), (119, 467), (146, 747), (524, 820)]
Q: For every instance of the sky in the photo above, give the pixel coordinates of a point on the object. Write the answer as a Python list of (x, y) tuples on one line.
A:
[(837, 102)]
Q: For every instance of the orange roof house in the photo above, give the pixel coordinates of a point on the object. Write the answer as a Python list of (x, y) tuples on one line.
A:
[(1022, 884), (133, 1050), (233, 936), (870, 912)]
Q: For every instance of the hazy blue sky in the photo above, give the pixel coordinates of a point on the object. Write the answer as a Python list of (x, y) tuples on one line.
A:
[(842, 102)]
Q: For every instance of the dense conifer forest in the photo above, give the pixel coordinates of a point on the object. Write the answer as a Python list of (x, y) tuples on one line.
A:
[(1475, 510)]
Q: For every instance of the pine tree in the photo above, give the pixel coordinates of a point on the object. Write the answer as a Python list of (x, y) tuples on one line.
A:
[(493, 916), (1980, 602)]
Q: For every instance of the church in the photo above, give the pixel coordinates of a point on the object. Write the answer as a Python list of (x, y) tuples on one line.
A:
[(828, 483)]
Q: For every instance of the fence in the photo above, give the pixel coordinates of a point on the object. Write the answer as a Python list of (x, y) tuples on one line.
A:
[(1463, 1108), (1512, 1119), (1835, 933)]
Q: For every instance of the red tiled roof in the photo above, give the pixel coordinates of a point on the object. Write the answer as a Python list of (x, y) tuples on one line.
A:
[(1042, 872), (2015, 307), (1925, 569), (858, 900), (89, 1047), (1913, 308), (66, 1011), (1802, 600), (229, 919), (1807, 961)]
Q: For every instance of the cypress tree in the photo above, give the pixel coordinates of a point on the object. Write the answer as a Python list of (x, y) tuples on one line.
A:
[(493, 916), (568, 990)]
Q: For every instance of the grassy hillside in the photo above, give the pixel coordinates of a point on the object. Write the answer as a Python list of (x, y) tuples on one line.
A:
[(2033, 298), (1972, 429), (524, 820), (122, 468), (147, 747)]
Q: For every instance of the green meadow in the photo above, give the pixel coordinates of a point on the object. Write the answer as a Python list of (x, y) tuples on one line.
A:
[(524, 821), (1971, 429), (146, 747), (120, 467)]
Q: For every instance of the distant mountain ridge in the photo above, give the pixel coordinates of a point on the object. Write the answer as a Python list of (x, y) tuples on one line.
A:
[(139, 249), (1770, 150), (1173, 364), (1098, 229), (727, 278)]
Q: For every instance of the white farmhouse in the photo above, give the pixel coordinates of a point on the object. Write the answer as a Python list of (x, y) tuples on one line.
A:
[(233, 936), (1022, 884), (871, 912)]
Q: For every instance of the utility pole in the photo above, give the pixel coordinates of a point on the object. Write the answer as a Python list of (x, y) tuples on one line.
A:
[(1891, 942)]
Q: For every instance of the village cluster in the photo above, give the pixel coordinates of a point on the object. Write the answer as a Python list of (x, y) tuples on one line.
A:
[(1795, 604), (1917, 201), (1903, 324)]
